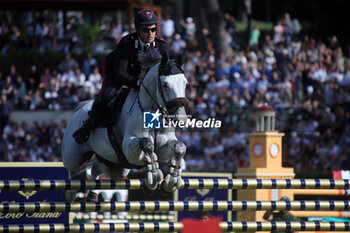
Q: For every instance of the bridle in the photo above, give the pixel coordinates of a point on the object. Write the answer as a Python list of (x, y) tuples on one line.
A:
[(176, 102)]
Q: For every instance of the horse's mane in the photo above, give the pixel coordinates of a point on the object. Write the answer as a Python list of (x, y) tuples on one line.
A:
[(149, 58), (152, 56)]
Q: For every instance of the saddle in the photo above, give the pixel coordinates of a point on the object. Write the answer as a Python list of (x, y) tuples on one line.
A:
[(114, 107)]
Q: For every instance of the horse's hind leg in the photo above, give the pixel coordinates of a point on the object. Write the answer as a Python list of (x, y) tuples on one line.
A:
[(70, 195), (76, 171), (101, 166), (175, 150), (154, 174)]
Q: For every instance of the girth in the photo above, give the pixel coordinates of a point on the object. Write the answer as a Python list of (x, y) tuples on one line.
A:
[(118, 150)]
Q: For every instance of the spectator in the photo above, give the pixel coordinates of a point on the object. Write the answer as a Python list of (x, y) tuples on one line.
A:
[(46, 77), (8, 88), (333, 150), (116, 30), (68, 62), (31, 86), (231, 28), (296, 28), (71, 36), (37, 101), (222, 84), (288, 28), (221, 108), (254, 36), (48, 40), (33, 73), (283, 215), (19, 92), (190, 28), (168, 26), (5, 110), (96, 78), (2, 83), (249, 83), (81, 78), (274, 84), (89, 89), (286, 95), (13, 73), (262, 84), (278, 33), (178, 46), (89, 64)]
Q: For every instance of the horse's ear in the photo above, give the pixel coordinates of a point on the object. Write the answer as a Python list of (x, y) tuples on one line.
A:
[(181, 59)]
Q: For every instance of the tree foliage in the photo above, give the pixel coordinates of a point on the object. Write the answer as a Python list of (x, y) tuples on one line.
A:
[(90, 33)]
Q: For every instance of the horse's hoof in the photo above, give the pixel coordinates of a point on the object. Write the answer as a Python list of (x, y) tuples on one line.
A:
[(102, 197), (91, 197), (163, 192), (79, 199), (147, 190), (116, 197)]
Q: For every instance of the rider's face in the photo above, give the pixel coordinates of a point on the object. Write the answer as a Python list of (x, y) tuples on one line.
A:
[(147, 32)]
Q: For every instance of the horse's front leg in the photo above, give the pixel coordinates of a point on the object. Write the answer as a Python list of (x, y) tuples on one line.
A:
[(154, 174), (175, 151), (140, 151)]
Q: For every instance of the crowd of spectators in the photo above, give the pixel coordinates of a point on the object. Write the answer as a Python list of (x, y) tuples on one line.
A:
[(306, 80)]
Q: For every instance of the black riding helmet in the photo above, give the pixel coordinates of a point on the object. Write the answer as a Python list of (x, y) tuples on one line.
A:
[(145, 17)]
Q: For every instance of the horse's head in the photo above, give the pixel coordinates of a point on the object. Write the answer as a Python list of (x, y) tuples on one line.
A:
[(166, 83), (171, 88)]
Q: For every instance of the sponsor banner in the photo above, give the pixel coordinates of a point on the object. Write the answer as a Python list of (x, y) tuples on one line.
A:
[(31, 171)]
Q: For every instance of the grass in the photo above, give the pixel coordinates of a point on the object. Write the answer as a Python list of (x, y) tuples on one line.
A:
[(242, 37), (263, 26)]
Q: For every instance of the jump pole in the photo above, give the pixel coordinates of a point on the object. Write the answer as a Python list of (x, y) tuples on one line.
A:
[(176, 227), (214, 183), (136, 206)]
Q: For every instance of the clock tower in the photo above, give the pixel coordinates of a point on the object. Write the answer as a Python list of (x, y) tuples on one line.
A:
[(265, 146)]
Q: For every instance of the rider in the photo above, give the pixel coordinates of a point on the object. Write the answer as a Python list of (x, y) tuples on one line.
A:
[(123, 68)]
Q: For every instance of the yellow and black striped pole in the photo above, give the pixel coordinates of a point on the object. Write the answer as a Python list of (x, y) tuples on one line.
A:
[(212, 183), (336, 214), (176, 226), (141, 217), (137, 206)]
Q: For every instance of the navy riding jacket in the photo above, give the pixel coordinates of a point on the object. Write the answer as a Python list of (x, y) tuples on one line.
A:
[(122, 66)]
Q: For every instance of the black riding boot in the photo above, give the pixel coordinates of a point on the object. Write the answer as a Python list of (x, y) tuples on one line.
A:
[(95, 117)]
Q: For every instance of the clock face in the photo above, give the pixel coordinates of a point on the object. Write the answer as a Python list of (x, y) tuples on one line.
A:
[(274, 150), (258, 149)]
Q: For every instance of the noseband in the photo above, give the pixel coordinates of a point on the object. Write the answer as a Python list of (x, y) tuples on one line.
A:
[(174, 103), (177, 102)]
